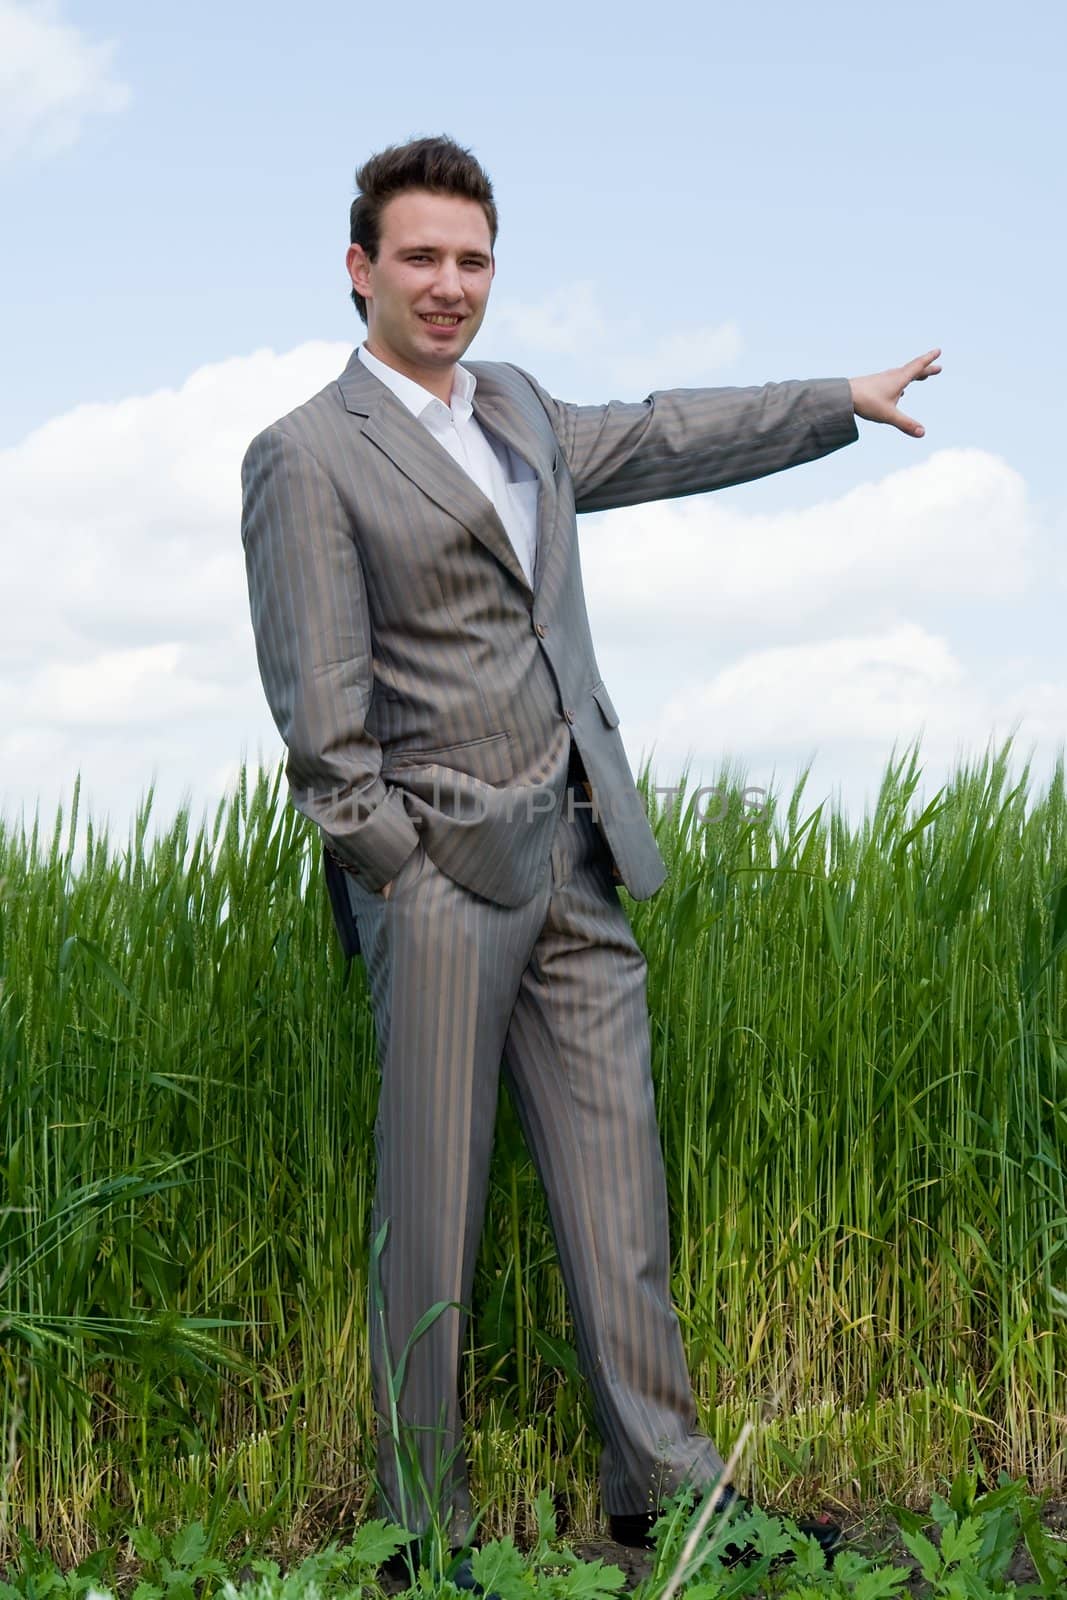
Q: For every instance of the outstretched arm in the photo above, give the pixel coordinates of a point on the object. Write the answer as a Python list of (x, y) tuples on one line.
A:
[(688, 441)]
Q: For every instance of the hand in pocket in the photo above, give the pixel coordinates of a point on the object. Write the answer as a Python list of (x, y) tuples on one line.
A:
[(387, 888)]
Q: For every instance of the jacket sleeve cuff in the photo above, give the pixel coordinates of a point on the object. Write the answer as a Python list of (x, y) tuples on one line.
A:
[(833, 414), (380, 840), (361, 878)]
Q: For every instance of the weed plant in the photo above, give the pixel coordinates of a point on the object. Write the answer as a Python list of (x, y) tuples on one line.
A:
[(968, 1558)]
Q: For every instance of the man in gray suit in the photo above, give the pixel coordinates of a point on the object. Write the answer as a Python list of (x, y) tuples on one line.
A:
[(422, 636)]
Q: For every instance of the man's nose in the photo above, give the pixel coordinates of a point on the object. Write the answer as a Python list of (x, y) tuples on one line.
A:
[(447, 283)]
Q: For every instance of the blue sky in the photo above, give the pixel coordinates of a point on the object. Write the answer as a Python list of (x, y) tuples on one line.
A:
[(689, 195)]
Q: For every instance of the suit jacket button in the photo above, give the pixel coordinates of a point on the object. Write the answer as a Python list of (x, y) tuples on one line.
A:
[(540, 629), (569, 715)]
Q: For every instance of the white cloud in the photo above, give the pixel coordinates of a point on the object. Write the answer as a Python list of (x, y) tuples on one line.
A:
[(957, 524), (125, 518), (127, 650), (832, 630), (843, 703), (850, 687), (570, 321), (51, 79), (120, 689), (567, 320), (677, 359), (126, 645)]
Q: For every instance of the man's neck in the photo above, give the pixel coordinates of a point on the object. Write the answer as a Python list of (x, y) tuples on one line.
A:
[(438, 382)]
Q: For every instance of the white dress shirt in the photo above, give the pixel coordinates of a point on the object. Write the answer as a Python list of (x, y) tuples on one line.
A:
[(502, 475)]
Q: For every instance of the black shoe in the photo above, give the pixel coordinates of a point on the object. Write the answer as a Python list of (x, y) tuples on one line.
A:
[(826, 1533), (464, 1578), (635, 1531), (398, 1570)]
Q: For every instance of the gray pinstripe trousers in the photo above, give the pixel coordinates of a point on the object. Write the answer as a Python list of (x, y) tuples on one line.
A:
[(556, 991)]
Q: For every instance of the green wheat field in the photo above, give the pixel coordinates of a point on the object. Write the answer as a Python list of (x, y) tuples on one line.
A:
[(860, 1055)]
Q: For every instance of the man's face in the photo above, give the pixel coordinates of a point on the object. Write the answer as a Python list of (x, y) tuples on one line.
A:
[(426, 294)]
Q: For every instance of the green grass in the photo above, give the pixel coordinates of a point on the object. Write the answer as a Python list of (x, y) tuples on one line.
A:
[(860, 1054)]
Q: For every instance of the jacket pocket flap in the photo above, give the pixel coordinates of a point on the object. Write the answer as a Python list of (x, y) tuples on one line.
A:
[(488, 758), (603, 700)]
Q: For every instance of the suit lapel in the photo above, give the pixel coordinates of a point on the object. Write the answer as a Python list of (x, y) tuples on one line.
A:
[(416, 453), (501, 414)]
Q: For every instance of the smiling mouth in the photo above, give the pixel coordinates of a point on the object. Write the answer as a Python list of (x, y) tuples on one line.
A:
[(439, 320)]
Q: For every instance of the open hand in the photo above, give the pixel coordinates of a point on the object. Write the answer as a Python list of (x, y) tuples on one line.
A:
[(875, 397)]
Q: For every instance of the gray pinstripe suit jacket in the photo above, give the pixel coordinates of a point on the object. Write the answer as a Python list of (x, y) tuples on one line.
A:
[(422, 688)]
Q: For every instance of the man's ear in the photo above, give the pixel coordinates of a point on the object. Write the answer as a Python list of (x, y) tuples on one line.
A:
[(358, 269)]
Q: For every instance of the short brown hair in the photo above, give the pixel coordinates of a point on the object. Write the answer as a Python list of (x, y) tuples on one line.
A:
[(440, 165)]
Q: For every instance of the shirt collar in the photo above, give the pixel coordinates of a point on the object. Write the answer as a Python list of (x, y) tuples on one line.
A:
[(419, 400)]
